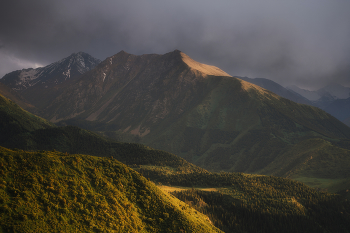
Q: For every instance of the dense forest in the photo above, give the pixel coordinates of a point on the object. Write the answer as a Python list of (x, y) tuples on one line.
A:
[(256, 203)]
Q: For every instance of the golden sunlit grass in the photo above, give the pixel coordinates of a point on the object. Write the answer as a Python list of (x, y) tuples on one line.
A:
[(247, 86), (203, 68)]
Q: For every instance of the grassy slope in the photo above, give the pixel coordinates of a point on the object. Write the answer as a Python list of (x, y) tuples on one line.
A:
[(255, 131), (51, 192)]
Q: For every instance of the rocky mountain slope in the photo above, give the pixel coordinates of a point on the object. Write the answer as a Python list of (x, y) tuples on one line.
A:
[(199, 112), (39, 86)]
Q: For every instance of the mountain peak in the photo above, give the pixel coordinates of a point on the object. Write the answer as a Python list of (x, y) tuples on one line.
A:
[(122, 52)]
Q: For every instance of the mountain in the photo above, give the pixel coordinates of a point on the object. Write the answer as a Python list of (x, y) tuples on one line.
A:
[(97, 94), (48, 81), (199, 112), (55, 192), (333, 98), (310, 95), (278, 89)]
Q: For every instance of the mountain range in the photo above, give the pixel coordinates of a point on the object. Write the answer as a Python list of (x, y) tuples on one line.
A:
[(48, 190), (199, 112)]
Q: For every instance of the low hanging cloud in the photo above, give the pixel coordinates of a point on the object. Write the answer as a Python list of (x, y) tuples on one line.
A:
[(299, 42)]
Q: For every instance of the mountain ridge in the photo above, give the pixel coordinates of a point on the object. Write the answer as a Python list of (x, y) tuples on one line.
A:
[(216, 122)]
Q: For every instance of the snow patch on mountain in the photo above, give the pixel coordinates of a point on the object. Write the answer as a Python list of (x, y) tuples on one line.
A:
[(52, 74), (67, 74), (28, 75)]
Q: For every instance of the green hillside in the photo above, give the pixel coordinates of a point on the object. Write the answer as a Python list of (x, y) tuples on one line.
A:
[(22, 130), (14, 120), (327, 169), (58, 192)]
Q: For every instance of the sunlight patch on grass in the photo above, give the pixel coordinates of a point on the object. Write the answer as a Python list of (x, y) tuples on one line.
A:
[(179, 188)]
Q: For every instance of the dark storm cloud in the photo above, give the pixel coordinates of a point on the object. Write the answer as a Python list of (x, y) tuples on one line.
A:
[(302, 42)]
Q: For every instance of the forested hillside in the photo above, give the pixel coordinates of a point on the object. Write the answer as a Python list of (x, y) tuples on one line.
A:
[(240, 202), (58, 192)]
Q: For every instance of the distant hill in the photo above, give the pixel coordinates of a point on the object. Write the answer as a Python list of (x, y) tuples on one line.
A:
[(56, 192), (39, 86)]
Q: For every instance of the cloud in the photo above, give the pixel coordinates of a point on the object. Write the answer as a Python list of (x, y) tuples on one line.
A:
[(296, 42)]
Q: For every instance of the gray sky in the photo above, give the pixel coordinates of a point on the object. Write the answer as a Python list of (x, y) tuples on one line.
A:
[(302, 42)]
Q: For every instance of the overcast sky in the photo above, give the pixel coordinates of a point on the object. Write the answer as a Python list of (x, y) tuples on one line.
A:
[(302, 42)]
